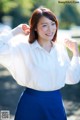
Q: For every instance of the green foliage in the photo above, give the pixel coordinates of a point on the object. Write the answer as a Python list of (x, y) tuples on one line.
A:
[(54, 6), (69, 16), (51, 4), (7, 5), (20, 10), (24, 7)]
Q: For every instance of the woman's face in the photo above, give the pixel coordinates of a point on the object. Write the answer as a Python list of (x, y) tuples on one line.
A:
[(46, 29)]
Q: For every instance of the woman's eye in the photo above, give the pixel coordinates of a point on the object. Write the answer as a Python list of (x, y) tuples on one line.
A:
[(53, 23), (44, 25)]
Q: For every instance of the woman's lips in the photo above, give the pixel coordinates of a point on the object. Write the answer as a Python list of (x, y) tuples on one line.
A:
[(49, 34)]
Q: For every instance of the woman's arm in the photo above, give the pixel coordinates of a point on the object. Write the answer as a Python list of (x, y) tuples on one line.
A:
[(6, 37), (21, 29), (73, 72), (7, 49)]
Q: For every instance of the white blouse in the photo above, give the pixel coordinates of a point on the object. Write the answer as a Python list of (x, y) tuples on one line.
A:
[(32, 66)]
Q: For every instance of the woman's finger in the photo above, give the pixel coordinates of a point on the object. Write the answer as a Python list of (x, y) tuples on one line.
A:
[(25, 27)]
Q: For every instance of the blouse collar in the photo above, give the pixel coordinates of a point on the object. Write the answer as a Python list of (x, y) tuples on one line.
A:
[(35, 44)]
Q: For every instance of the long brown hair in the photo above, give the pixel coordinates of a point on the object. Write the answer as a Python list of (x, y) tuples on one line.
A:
[(37, 14)]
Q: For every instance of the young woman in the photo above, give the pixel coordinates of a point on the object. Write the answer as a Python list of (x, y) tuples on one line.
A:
[(40, 64)]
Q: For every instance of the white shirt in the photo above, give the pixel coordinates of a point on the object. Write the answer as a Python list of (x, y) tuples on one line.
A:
[(32, 66)]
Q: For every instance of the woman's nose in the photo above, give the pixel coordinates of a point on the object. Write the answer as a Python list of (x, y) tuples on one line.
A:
[(49, 28)]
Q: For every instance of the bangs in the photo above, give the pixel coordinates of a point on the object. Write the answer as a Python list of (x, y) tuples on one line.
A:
[(49, 16)]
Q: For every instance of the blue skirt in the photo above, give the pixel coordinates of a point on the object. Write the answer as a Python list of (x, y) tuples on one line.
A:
[(40, 105)]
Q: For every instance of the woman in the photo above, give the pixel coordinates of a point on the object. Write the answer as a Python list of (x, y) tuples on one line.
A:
[(41, 65)]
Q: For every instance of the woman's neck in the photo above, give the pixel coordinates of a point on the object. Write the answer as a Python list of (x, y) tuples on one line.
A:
[(47, 45)]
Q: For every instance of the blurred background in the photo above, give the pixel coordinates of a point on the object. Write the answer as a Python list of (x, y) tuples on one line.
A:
[(15, 12)]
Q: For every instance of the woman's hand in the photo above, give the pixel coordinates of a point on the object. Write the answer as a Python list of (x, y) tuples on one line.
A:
[(73, 46), (21, 29), (26, 29)]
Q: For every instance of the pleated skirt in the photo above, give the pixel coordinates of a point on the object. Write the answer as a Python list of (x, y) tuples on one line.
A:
[(40, 105)]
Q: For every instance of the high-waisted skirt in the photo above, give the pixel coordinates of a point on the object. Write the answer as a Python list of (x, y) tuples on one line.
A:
[(40, 105)]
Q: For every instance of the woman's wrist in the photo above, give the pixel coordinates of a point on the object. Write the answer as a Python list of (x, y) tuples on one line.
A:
[(17, 30), (21, 29)]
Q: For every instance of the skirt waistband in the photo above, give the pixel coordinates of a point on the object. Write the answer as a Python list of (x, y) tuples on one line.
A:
[(41, 93)]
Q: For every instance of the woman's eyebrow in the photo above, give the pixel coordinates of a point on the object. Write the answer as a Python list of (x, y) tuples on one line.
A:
[(44, 23), (47, 22)]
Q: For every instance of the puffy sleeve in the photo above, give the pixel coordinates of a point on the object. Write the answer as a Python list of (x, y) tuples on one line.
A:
[(7, 50), (73, 68), (73, 72)]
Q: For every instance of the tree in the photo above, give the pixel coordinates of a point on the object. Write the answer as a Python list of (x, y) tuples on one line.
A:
[(6, 6), (19, 9), (69, 16)]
